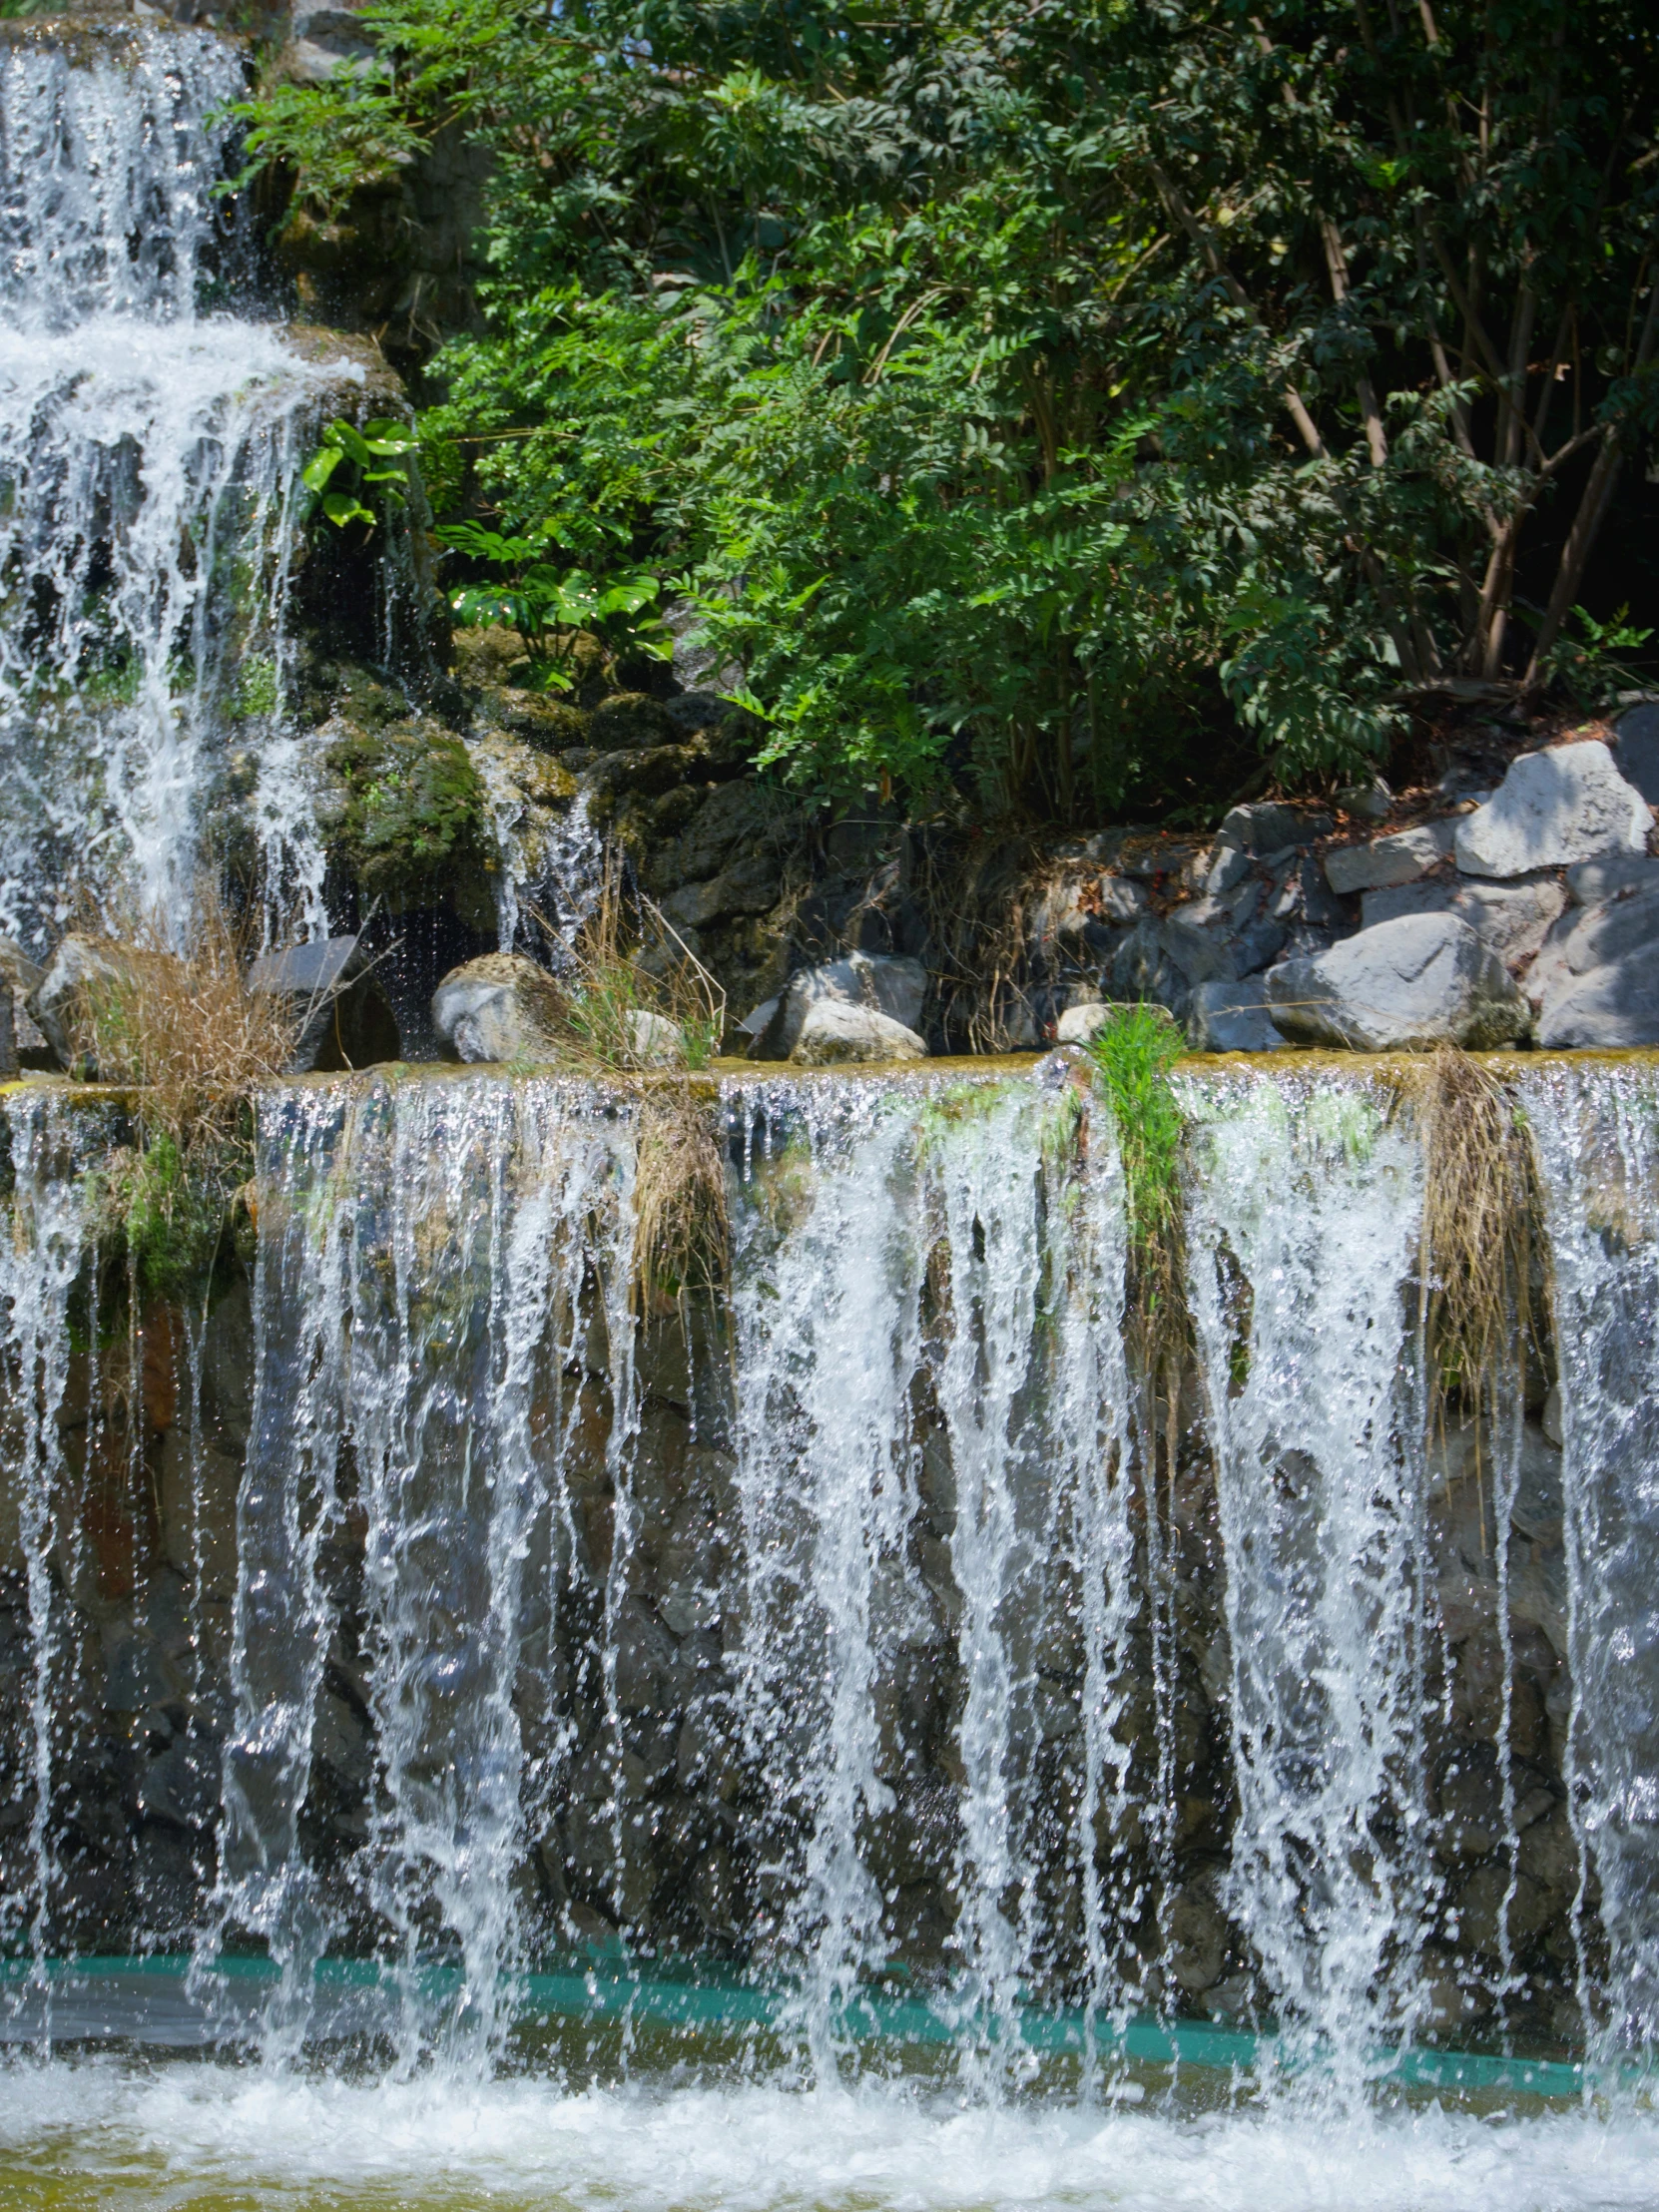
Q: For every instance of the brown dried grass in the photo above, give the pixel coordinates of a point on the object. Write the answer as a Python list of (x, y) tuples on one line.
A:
[(627, 961), (1480, 1224), (181, 1029), (681, 1231)]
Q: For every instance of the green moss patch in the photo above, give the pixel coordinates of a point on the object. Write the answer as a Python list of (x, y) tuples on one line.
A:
[(412, 812)]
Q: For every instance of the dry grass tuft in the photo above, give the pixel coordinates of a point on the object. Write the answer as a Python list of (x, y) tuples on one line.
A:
[(183, 1029), (629, 981), (1480, 1209), (639, 1001), (190, 1042), (682, 1236)]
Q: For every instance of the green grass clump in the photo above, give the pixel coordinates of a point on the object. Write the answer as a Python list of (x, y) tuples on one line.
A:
[(1132, 1056)]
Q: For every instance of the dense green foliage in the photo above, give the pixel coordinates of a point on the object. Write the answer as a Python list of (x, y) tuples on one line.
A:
[(1018, 390)]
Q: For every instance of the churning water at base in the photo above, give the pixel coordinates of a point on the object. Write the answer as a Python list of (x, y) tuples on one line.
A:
[(194, 2139), (869, 1654)]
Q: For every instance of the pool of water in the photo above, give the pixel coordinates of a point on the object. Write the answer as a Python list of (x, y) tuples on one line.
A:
[(128, 2134)]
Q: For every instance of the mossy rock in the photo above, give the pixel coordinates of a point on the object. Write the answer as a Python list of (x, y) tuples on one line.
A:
[(345, 692), (495, 654), (490, 654), (412, 812), (550, 724), (629, 722)]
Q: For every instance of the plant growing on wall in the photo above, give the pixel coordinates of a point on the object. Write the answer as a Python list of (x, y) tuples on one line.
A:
[(1132, 1055), (357, 475), (550, 606)]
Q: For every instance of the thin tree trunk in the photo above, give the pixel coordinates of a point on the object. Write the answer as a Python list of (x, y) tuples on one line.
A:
[(1592, 511)]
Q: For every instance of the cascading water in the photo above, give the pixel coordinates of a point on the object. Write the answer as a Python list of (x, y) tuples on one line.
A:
[(149, 443), (836, 1667), (1598, 1146), (40, 1264), (1303, 1230), (420, 1280), (926, 1338)]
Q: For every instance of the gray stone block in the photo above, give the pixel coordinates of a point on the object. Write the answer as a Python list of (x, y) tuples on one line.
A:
[(1404, 985), (1636, 748), (1554, 807), (1609, 1006), (1232, 1017), (1594, 882), (1612, 932), (1401, 859)]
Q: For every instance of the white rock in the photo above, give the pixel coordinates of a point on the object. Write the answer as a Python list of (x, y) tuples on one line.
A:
[(1082, 1024), (19, 976), (1404, 985), (1435, 896), (1514, 918), (499, 1007), (1400, 859), (655, 1040), (1232, 1017), (885, 984), (831, 1033), (1553, 807)]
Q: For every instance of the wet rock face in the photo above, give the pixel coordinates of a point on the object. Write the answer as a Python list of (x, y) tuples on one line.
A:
[(139, 1778), (660, 1790)]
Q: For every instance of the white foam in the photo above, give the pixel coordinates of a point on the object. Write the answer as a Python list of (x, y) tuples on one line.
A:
[(191, 2136)]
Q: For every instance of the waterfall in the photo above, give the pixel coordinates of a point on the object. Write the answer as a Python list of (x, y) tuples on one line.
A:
[(933, 1463), (858, 1638), (149, 443), (1302, 1227), (41, 1260), (428, 1260), (1597, 1147)]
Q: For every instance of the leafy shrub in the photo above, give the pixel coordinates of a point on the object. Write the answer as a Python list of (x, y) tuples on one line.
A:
[(1005, 388)]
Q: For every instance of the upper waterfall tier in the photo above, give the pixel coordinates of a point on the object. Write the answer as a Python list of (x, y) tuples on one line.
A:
[(150, 448), (110, 149)]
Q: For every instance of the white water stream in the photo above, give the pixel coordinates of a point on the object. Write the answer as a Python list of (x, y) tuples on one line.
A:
[(847, 1634), (149, 443)]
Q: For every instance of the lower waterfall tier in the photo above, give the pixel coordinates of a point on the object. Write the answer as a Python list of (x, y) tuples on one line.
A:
[(908, 1629)]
